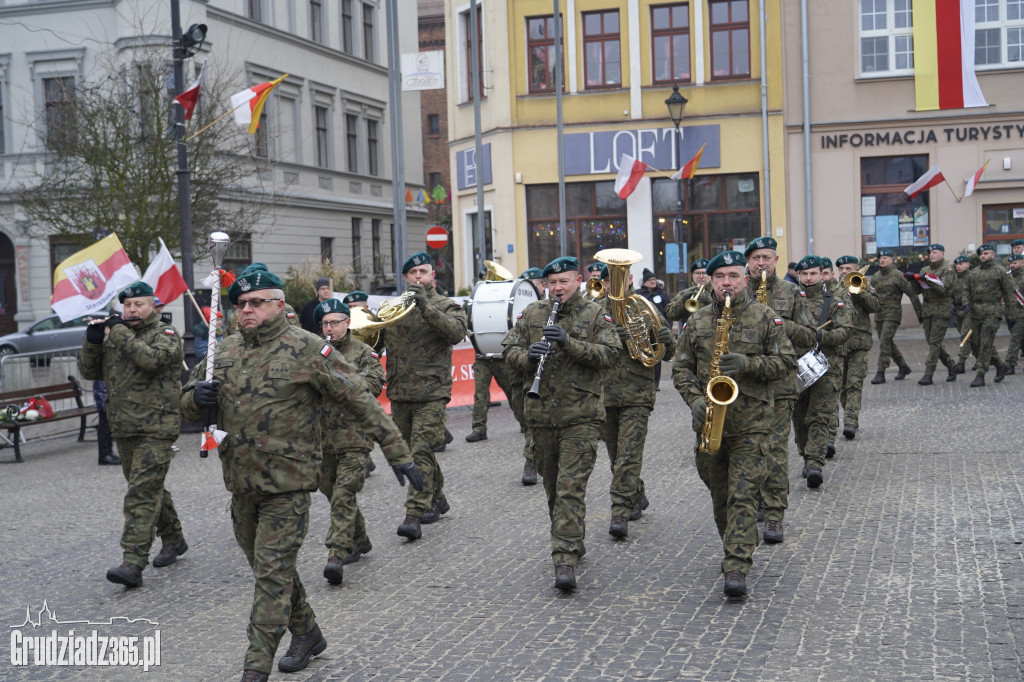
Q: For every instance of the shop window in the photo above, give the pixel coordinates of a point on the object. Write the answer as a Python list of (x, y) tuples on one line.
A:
[(601, 49), (730, 39), (595, 216), (887, 219), (670, 43), (1003, 224), (542, 56)]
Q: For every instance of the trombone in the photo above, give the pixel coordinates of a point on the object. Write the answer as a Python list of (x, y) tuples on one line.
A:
[(856, 282), (692, 304)]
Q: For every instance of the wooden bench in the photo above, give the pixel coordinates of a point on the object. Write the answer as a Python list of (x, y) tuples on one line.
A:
[(72, 389)]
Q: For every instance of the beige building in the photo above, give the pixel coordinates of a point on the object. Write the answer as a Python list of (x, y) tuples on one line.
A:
[(866, 141)]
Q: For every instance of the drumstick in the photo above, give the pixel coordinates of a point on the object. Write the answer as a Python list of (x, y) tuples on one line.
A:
[(966, 336), (827, 323)]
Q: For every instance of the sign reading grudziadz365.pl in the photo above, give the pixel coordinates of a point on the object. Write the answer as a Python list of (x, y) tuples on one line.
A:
[(600, 151), (423, 71)]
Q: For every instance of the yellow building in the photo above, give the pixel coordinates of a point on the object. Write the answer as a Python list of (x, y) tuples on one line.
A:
[(622, 59)]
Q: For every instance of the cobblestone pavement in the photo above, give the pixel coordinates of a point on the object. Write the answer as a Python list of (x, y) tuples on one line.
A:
[(905, 564)]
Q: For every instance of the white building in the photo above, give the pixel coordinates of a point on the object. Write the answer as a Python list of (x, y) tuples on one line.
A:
[(328, 123)]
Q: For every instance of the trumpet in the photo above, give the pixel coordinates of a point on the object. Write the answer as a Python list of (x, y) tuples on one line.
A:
[(856, 282), (595, 289), (693, 303)]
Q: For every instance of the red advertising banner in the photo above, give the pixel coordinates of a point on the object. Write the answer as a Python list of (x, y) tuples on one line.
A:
[(463, 385)]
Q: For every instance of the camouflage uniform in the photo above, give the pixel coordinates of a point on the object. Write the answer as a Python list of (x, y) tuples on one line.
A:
[(275, 380), (675, 310), (963, 320), (1014, 309), (346, 452), (566, 419), (816, 404), (890, 285), (736, 473), (142, 370), (985, 286), (484, 368), (419, 376), (855, 360), (782, 297), (938, 301), (628, 401)]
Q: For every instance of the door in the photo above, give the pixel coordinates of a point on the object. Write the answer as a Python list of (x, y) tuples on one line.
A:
[(8, 292)]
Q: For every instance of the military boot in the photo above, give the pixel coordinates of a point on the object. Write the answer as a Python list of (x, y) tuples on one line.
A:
[(902, 374), (126, 574), (979, 380), (333, 571), (735, 584), (565, 578), (169, 553), (814, 477), (830, 452), (529, 474), (849, 432), (302, 650), (960, 367), (1011, 369), (926, 380), (619, 527), (410, 528), (109, 459), (255, 676), (1001, 372), (952, 373), (361, 548), (439, 507), (638, 508), (879, 378), (773, 532), (476, 436)]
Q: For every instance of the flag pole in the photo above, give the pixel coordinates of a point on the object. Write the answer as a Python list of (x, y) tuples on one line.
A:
[(217, 120), (951, 191), (195, 303)]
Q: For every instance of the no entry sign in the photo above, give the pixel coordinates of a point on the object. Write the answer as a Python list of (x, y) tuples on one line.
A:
[(437, 237)]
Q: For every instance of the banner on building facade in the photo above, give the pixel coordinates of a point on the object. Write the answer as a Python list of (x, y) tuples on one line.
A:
[(423, 71), (600, 151)]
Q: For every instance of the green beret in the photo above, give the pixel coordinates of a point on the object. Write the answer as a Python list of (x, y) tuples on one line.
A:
[(937, 247), (355, 297), (886, 252), (761, 243), (418, 258), (331, 305), (255, 266), (847, 260), (140, 288), (699, 264), (1016, 256), (808, 263), (531, 273), (826, 262), (253, 280), (986, 247), (599, 267), (564, 264), (1017, 242), (962, 259), (724, 259)]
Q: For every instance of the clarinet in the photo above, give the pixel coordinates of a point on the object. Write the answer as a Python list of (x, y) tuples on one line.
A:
[(534, 391)]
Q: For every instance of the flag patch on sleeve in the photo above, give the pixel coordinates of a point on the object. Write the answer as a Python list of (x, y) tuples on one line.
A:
[(840, 304), (169, 331), (803, 294), (289, 314), (326, 350), (778, 321), (607, 317), (374, 354)]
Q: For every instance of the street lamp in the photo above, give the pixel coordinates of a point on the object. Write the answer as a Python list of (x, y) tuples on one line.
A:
[(676, 104)]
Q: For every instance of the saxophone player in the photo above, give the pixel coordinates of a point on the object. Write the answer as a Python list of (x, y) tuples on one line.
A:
[(756, 354)]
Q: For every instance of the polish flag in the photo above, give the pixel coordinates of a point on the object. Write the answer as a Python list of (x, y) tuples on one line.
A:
[(690, 169), (163, 275), (189, 98), (248, 104), (972, 181), (929, 179), (630, 172)]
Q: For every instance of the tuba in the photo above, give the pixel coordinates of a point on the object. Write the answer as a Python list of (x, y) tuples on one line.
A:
[(366, 324), (633, 312), (721, 390), (497, 273), (856, 282), (692, 304)]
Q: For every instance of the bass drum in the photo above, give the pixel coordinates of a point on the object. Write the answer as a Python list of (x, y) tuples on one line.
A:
[(493, 310)]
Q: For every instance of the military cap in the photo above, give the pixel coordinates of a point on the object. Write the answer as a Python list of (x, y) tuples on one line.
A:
[(826, 262), (986, 247), (808, 263), (599, 268), (253, 280), (761, 243), (847, 260), (331, 305), (416, 259), (724, 259), (1017, 242), (323, 282), (699, 264), (355, 297), (563, 264), (1016, 256), (962, 259), (886, 252), (531, 273), (255, 266), (135, 290), (937, 247)]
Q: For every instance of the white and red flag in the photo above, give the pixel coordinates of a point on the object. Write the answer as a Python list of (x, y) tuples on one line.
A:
[(248, 104), (189, 98), (163, 275), (972, 182), (930, 179), (630, 172)]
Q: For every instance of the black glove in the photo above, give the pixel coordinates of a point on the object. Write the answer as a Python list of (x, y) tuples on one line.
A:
[(114, 320), (909, 276), (537, 351), (555, 334), (920, 319), (403, 471), (205, 393), (623, 334), (665, 335), (420, 294), (817, 337), (732, 364), (94, 333), (699, 409)]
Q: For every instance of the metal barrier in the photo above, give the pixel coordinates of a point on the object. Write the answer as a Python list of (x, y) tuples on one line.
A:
[(27, 370)]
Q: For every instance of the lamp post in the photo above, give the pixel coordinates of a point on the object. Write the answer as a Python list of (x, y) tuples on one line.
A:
[(676, 104)]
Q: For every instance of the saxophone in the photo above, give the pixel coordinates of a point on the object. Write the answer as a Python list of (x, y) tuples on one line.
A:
[(721, 390), (762, 289)]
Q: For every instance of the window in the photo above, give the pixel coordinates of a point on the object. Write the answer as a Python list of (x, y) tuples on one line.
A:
[(435, 180), (346, 27), (62, 248), (434, 124), (670, 43), (59, 95), (730, 39), (351, 140), (1003, 223), (887, 220), (254, 9), (886, 37), (286, 129), (369, 33), (316, 21), (378, 260), (357, 244), (322, 136), (601, 50), (326, 249), (540, 46), (595, 216), (239, 255), (262, 145), (3, 146), (999, 23), (372, 154), (467, 53)]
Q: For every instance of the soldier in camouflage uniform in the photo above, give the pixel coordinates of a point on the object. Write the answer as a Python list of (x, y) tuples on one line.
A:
[(858, 346), (628, 400), (821, 320), (987, 287), (832, 285), (961, 307), (675, 310), (139, 358), (935, 285), (270, 384), (762, 256), (759, 357), (1014, 308), (891, 285), (346, 447), (521, 383), (567, 417), (419, 373)]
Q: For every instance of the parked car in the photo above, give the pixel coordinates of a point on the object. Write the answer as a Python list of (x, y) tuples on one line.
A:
[(48, 333)]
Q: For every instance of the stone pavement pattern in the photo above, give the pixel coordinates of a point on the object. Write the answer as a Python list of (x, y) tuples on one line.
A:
[(905, 564)]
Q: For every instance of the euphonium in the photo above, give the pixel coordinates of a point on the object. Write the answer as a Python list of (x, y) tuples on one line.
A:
[(762, 289), (595, 288), (856, 282), (366, 324), (496, 272), (633, 312), (693, 303), (721, 390)]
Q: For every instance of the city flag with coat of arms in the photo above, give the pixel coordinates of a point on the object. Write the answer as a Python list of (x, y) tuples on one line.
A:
[(86, 281)]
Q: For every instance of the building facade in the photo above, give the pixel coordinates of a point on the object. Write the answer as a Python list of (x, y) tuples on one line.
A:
[(324, 134), (622, 59)]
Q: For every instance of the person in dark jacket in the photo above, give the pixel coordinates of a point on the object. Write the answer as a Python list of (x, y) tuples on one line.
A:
[(323, 292)]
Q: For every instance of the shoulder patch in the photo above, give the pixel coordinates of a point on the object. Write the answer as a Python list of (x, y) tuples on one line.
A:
[(289, 314), (519, 316), (803, 294), (374, 354), (326, 350), (778, 321), (840, 304), (684, 326), (607, 317), (170, 331)]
